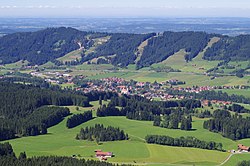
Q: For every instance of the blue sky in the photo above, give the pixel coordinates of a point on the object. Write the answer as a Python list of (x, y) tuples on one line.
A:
[(124, 8)]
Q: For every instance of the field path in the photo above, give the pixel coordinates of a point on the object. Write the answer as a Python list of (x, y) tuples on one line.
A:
[(138, 137), (224, 162)]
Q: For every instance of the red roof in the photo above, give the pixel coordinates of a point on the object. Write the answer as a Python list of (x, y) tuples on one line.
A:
[(104, 154), (242, 147)]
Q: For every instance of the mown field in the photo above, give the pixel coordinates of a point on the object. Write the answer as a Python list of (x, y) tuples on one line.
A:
[(61, 141)]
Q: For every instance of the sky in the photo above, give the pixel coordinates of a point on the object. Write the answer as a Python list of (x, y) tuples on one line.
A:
[(124, 8)]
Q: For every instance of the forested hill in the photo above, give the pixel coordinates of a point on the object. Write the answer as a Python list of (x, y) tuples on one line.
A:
[(119, 49), (230, 48), (165, 45), (41, 46)]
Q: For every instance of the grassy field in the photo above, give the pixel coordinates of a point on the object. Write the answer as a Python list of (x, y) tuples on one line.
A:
[(16, 65), (244, 92), (71, 56), (61, 141), (235, 159)]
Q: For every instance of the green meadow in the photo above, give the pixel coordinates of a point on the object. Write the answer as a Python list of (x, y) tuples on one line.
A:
[(61, 141), (243, 92)]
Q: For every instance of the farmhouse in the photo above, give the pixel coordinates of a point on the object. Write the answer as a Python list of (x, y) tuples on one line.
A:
[(243, 148), (100, 153)]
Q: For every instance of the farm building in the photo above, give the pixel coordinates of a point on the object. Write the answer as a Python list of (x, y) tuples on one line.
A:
[(243, 148), (100, 153)]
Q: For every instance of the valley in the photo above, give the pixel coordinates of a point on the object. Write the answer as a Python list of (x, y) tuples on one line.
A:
[(115, 65)]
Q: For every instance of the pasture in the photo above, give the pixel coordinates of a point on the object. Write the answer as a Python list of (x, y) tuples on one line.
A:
[(61, 141)]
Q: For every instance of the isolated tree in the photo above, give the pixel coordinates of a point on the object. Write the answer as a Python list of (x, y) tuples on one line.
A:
[(100, 100)]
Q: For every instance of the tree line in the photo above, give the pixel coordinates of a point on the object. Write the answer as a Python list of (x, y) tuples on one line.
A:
[(238, 108), (78, 119), (234, 127), (139, 108), (211, 95), (183, 142), (101, 133), (173, 120)]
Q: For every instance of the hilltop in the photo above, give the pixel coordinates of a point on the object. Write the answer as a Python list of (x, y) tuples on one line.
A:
[(118, 49)]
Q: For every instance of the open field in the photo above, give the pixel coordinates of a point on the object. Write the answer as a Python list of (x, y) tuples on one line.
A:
[(237, 158), (243, 92), (71, 56), (16, 65), (61, 141), (197, 65)]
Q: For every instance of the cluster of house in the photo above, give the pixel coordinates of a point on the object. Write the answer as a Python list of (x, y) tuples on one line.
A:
[(54, 77), (219, 102), (121, 86), (198, 89), (148, 90), (103, 155)]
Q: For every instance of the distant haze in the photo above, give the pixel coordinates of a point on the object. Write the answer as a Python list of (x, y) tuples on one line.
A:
[(124, 8)]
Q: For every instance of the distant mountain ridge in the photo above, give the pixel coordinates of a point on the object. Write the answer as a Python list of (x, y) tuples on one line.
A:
[(120, 49)]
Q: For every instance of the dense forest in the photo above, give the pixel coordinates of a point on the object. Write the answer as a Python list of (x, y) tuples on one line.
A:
[(234, 127), (139, 108), (41, 46), (183, 142), (20, 112), (163, 46), (8, 158), (101, 133), (123, 46), (78, 119), (230, 48)]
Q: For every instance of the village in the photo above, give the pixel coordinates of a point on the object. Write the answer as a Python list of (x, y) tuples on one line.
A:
[(151, 91)]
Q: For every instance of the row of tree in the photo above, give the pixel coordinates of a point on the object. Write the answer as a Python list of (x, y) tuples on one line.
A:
[(211, 95), (101, 133), (234, 127), (78, 119), (183, 142)]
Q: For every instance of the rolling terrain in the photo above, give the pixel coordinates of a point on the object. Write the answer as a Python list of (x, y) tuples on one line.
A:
[(140, 57), (61, 141)]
